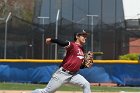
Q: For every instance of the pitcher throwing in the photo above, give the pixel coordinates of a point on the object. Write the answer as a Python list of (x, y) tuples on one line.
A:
[(72, 62)]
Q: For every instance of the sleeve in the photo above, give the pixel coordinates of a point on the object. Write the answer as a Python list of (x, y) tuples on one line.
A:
[(60, 42)]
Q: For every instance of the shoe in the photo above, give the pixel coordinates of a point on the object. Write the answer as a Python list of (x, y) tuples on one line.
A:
[(37, 91)]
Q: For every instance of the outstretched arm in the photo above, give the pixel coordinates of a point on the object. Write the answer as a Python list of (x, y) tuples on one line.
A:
[(59, 42)]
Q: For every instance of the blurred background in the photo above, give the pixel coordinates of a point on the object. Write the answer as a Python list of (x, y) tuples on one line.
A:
[(24, 25)]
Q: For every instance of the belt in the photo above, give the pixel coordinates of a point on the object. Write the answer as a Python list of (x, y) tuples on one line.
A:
[(69, 72)]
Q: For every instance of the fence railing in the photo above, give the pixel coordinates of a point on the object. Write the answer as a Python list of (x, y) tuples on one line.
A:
[(60, 60)]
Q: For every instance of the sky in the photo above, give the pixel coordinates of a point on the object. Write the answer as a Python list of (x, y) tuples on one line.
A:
[(131, 9)]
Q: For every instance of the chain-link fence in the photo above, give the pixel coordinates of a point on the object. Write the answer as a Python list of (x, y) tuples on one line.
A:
[(110, 35), (24, 39)]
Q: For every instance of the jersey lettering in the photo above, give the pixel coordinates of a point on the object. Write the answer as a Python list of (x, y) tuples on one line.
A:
[(80, 52)]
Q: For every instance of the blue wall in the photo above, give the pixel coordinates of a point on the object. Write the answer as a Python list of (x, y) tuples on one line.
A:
[(124, 74)]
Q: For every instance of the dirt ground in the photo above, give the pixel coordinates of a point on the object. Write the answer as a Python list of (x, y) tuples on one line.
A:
[(23, 91), (94, 84)]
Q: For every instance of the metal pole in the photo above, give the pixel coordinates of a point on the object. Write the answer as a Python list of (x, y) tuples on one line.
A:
[(139, 25), (138, 18), (5, 40), (92, 28), (56, 32), (115, 33), (92, 33), (43, 34)]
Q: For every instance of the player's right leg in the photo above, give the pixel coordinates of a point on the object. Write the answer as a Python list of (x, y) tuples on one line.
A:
[(81, 81)]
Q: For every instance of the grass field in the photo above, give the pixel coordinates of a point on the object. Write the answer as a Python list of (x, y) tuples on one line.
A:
[(28, 86)]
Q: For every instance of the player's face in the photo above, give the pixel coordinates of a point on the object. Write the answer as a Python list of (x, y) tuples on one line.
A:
[(82, 39)]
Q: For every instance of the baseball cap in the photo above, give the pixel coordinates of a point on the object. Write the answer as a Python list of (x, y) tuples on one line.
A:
[(83, 32)]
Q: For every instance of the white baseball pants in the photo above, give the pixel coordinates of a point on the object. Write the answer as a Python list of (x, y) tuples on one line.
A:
[(60, 77)]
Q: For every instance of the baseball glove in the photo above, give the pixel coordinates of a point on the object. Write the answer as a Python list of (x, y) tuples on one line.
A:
[(88, 59)]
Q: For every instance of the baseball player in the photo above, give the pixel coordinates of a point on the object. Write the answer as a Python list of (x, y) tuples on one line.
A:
[(72, 62)]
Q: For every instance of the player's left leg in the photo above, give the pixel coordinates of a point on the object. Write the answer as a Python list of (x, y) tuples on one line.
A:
[(58, 78), (81, 81)]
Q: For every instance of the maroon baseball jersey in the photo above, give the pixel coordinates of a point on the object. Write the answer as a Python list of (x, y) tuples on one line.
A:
[(74, 57)]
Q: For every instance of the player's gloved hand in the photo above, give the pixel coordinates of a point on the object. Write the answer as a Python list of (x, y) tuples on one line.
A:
[(88, 59)]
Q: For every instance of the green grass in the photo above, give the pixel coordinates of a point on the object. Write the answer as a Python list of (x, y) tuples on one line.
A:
[(28, 86)]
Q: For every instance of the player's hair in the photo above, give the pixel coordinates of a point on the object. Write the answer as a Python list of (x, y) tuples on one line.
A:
[(79, 33), (75, 34), (74, 38)]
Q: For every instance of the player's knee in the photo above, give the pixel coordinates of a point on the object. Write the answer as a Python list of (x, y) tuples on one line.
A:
[(86, 85)]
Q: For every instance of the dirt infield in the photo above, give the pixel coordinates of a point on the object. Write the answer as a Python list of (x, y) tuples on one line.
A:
[(23, 91)]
